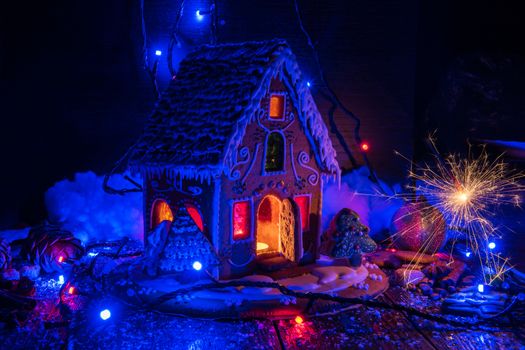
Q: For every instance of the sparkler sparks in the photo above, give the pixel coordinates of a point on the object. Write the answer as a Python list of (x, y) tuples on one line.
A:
[(467, 192)]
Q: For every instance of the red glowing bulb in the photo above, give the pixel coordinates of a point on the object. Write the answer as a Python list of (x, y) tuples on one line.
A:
[(365, 146), (299, 320), (60, 259)]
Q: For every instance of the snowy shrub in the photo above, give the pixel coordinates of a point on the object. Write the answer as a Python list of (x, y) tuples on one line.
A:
[(360, 194), (82, 207)]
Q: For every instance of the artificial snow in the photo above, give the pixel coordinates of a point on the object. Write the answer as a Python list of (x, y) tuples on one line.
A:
[(359, 193), (82, 207)]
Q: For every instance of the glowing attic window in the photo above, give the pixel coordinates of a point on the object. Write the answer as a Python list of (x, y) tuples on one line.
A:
[(160, 212), (195, 216), (241, 220), (303, 202), (276, 106)]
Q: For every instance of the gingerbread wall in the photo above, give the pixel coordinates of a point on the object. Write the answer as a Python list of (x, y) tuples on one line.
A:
[(249, 181)]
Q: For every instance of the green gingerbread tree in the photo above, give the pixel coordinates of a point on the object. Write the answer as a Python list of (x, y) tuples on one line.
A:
[(348, 238)]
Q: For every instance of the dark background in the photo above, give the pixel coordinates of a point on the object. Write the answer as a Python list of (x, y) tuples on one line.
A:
[(75, 95)]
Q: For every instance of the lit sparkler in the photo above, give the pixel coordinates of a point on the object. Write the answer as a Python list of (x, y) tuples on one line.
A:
[(466, 192)]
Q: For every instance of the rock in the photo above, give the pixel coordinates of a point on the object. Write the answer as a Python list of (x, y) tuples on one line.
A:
[(442, 292), (407, 276), (10, 275), (435, 296), (437, 269), (458, 268), (425, 288), (32, 272)]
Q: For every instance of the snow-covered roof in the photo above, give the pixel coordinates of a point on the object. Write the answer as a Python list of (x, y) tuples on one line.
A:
[(201, 118)]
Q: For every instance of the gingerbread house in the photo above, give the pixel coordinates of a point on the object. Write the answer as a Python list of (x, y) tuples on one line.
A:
[(238, 142)]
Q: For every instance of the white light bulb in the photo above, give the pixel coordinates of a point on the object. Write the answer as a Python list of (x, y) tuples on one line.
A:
[(197, 265), (105, 314), (199, 15)]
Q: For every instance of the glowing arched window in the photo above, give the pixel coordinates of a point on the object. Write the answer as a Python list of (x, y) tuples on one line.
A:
[(274, 152), (241, 220), (195, 216), (160, 212)]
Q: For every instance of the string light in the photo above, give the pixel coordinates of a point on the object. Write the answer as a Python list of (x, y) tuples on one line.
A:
[(481, 288), (158, 53), (199, 15), (197, 266), (492, 245), (60, 259), (299, 320), (61, 279), (105, 314), (365, 147), (308, 84), (71, 290), (467, 254)]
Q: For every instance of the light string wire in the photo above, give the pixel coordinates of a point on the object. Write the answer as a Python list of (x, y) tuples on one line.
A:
[(174, 40), (151, 70)]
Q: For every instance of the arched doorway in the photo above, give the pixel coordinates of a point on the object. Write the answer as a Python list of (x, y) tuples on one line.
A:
[(276, 228)]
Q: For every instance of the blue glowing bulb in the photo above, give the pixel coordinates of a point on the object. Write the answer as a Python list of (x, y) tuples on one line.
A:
[(158, 53), (105, 314), (308, 84), (492, 245), (61, 279), (481, 288), (197, 265), (468, 254), (199, 15)]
